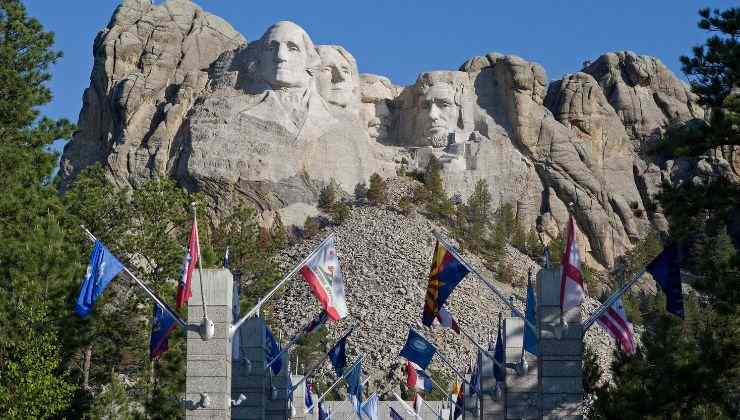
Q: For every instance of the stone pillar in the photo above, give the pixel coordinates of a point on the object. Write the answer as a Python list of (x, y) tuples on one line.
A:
[(254, 381), (560, 367), (521, 392), (209, 362), (491, 407)]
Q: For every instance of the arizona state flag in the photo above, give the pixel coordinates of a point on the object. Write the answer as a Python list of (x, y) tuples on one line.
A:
[(446, 273)]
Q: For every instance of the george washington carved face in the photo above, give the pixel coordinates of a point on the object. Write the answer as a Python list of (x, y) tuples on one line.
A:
[(286, 56)]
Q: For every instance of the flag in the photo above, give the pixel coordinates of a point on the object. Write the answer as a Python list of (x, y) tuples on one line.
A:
[(417, 379), (236, 341), (530, 335), (226, 258), (323, 275), (498, 354), (418, 403), (370, 407), (394, 414), (315, 323), (445, 274), (338, 356), (162, 324), (272, 350), (475, 380), (354, 386), (184, 291), (101, 269), (614, 321), (446, 320), (666, 271), (323, 414), (571, 282), (308, 398), (460, 403), (417, 349)]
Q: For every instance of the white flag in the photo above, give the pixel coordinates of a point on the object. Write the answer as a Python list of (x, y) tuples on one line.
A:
[(571, 283)]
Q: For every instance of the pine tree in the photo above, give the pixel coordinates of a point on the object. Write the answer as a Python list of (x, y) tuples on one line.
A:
[(328, 196), (376, 194)]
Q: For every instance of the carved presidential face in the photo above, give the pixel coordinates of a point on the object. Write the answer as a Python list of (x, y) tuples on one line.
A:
[(337, 76), (437, 114), (284, 56)]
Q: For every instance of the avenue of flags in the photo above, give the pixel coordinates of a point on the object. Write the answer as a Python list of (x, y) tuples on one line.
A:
[(321, 272)]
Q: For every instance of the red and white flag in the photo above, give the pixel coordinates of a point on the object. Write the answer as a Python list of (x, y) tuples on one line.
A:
[(184, 291), (323, 275), (417, 403), (614, 321), (446, 320), (416, 378), (571, 281)]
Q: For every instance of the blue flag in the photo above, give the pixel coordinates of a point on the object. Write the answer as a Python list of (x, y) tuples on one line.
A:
[(530, 335), (272, 351), (226, 258), (101, 269), (370, 407), (338, 356), (162, 325), (666, 270), (323, 414), (394, 414), (498, 354), (354, 386), (475, 379), (308, 398), (418, 350)]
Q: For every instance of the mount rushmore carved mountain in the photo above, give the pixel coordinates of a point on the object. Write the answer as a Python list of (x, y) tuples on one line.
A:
[(177, 92)]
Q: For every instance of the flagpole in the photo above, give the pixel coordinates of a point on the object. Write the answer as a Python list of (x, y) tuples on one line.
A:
[(341, 378), (406, 406), (286, 348), (323, 359), (439, 414), (363, 384), (207, 328), (151, 294), (480, 277), (272, 291), (442, 356), (613, 298), (487, 353)]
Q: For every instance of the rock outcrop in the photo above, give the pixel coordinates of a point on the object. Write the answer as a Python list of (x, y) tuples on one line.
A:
[(176, 92)]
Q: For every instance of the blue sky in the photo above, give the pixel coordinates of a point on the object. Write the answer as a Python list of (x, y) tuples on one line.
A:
[(400, 38)]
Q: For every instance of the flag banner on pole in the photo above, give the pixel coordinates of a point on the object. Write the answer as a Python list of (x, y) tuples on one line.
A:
[(354, 386), (226, 258), (272, 350), (162, 324), (338, 356), (459, 403), (614, 321), (417, 349), (498, 355), (530, 335), (475, 379), (445, 319), (308, 398), (323, 275), (446, 273), (418, 403), (101, 269), (666, 271), (394, 414), (417, 379), (571, 282), (315, 323), (323, 413), (184, 290), (370, 407)]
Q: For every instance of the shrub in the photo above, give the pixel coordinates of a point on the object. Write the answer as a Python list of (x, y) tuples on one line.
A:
[(340, 212), (377, 193), (328, 196)]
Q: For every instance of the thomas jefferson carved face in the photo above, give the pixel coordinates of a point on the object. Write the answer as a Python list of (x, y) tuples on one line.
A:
[(337, 77), (286, 54), (438, 114)]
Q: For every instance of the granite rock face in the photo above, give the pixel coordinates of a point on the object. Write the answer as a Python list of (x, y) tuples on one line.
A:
[(176, 92)]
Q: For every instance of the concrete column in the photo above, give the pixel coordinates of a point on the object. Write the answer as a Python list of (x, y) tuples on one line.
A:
[(209, 362), (521, 392), (560, 366)]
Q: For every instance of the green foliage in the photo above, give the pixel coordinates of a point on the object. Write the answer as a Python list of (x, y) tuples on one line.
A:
[(405, 206), (328, 196), (360, 192), (340, 212), (112, 402), (377, 193)]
